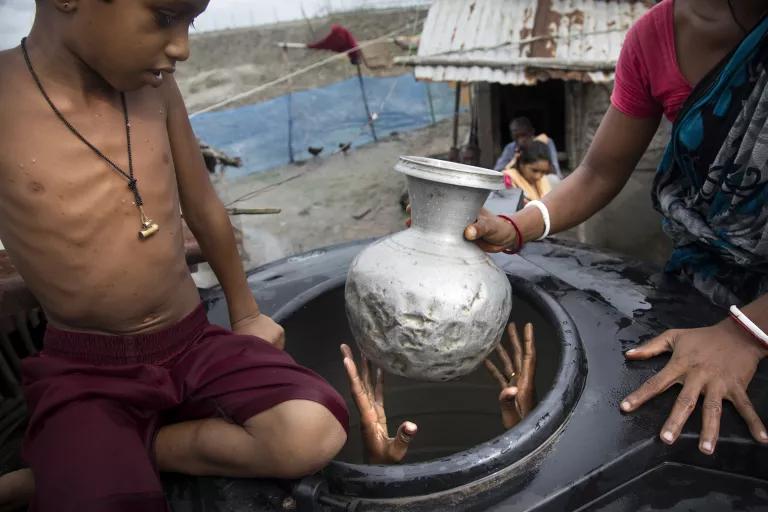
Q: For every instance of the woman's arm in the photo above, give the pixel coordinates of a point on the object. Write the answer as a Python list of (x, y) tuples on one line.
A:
[(618, 145)]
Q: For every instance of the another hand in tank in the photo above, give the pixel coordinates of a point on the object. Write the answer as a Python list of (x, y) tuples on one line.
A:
[(369, 398), (517, 380)]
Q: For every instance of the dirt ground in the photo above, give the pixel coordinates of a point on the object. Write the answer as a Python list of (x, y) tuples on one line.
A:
[(325, 201), (328, 200), (225, 63)]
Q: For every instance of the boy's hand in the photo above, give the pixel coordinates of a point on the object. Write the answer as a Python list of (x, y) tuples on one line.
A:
[(262, 326), (517, 382), (380, 448)]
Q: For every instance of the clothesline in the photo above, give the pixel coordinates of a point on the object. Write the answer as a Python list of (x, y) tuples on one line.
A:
[(298, 72)]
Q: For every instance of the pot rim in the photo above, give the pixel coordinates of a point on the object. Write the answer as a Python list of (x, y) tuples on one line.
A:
[(451, 173)]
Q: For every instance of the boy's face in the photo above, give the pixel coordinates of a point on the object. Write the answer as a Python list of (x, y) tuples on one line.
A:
[(132, 43)]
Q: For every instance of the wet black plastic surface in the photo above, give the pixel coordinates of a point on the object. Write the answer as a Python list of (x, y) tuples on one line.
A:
[(461, 440), (600, 459), (597, 456), (682, 488)]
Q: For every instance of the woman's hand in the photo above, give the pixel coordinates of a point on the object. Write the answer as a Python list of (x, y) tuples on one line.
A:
[(717, 362), (517, 382), (490, 232), (262, 326), (380, 448)]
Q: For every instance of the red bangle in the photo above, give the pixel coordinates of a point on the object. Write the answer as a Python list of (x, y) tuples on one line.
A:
[(517, 233)]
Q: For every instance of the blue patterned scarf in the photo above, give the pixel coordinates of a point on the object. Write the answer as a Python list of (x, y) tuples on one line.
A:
[(712, 184)]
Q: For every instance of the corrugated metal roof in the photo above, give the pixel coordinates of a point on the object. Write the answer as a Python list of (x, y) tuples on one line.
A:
[(523, 41)]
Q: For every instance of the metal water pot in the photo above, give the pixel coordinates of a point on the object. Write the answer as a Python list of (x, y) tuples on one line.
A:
[(424, 303)]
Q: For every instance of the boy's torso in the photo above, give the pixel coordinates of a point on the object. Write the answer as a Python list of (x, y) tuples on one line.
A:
[(68, 220)]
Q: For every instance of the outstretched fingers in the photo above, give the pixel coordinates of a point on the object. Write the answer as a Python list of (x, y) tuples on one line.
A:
[(529, 350), (654, 386), (496, 374), (366, 374), (378, 399), (510, 411), (657, 346), (738, 396), (711, 411), (517, 347), (399, 446), (525, 382), (346, 351), (509, 370), (681, 411), (359, 392)]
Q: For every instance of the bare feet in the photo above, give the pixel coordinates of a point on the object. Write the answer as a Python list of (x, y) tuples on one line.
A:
[(16, 489)]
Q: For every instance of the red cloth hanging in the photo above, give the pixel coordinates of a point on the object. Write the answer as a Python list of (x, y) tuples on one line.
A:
[(339, 40)]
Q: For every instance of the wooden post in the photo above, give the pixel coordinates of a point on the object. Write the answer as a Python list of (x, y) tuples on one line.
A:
[(290, 106), (431, 103), (454, 153), (488, 132), (365, 102)]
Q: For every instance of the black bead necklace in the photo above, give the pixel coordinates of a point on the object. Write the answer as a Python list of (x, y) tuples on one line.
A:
[(148, 226)]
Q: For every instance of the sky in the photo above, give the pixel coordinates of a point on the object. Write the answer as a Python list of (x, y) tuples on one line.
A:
[(16, 15)]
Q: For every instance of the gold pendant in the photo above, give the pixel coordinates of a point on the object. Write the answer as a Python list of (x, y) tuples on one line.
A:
[(148, 226)]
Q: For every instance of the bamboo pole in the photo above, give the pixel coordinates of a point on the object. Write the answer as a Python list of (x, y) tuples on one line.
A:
[(365, 101), (253, 211), (454, 153)]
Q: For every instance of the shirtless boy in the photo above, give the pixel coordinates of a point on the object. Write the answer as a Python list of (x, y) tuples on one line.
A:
[(132, 379)]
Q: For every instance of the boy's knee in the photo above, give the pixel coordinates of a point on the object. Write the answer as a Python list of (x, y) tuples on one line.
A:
[(306, 436), (311, 449)]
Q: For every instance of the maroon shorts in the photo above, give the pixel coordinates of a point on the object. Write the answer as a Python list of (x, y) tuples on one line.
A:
[(96, 403)]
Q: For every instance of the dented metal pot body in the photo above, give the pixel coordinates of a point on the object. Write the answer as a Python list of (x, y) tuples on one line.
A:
[(425, 303)]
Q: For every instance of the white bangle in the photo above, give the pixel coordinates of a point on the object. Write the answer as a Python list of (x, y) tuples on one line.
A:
[(749, 325), (544, 213)]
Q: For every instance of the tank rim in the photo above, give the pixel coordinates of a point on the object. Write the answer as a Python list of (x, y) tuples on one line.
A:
[(483, 460)]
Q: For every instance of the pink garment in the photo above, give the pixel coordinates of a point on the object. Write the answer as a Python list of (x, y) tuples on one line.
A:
[(339, 40), (648, 79)]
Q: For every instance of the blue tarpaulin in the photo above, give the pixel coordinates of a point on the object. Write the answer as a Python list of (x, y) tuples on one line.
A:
[(322, 117)]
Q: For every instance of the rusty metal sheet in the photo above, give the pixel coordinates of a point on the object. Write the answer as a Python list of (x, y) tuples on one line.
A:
[(496, 40)]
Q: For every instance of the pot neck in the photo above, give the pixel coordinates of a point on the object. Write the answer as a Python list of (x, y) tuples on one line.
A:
[(441, 210)]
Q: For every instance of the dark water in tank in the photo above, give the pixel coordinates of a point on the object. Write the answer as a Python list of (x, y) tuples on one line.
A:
[(451, 416)]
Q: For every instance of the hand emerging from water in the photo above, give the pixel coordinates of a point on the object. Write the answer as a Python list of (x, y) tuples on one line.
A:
[(261, 326), (517, 382), (381, 448)]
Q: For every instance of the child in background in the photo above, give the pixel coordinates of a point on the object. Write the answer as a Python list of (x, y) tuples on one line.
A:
[(528, 171)]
